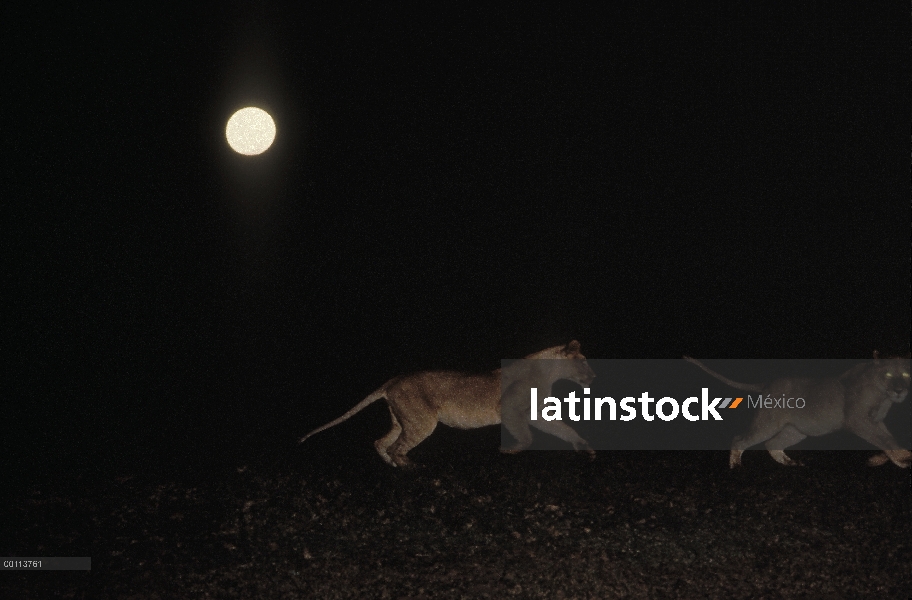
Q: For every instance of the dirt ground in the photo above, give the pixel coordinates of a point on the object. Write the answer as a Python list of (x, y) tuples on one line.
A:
[(474, 524)]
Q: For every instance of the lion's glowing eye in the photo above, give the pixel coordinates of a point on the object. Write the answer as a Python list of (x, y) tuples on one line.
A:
[(906, 375), (889, 374)]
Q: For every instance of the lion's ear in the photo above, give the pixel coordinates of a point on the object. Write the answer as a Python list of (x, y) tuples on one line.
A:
[(572, 347)]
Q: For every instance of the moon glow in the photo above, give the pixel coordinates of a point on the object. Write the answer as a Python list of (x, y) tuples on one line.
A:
[(250, 131)]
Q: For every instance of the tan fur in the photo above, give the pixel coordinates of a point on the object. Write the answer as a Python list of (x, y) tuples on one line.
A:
[(418, 402), (858, 400)]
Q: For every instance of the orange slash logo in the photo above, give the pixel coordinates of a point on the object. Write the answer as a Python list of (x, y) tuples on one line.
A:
[(734, 404)]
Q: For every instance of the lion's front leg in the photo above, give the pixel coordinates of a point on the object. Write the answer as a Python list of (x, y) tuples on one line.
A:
[(519, 429), (566, 433), (901, 458), (880, 436)]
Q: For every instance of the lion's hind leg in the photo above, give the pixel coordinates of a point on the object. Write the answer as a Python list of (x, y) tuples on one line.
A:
[(386, 441), (415, 429), (789, 436), (759, 432)]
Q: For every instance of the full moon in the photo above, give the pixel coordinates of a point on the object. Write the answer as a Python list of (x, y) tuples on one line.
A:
[(250, 131)]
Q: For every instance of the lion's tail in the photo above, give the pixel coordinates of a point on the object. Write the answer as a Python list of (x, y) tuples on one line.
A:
[(747, 387), (380, 393)]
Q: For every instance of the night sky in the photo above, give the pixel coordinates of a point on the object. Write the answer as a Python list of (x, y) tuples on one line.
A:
[(448, 187)]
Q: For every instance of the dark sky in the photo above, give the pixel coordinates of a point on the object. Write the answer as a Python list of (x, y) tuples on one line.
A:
[(447, 188)]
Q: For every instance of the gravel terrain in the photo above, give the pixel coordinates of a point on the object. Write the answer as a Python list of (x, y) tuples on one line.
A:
[(472, 523)]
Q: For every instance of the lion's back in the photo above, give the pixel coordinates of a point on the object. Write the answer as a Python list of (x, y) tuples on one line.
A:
[(461, 400)]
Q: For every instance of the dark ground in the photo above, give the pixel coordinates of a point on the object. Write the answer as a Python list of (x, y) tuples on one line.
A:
[(472, 523)]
